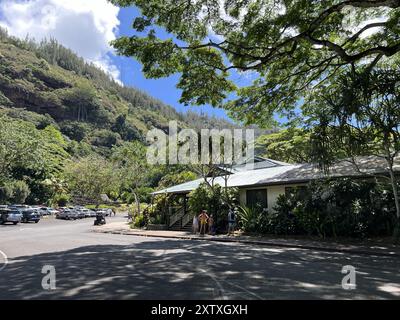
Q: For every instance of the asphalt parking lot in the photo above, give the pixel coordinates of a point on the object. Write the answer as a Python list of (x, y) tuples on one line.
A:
[(107, 266)]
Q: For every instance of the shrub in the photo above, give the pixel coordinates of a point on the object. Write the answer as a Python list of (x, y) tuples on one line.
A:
[(75, 130), (105, 138), (20, 192), (6, 193), (248, 219), (139, 221), (216, 200), (340, 207), (61, 200), (283, 221), (153, 215)]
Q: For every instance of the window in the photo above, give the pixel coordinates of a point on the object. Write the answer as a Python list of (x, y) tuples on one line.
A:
[(301, 190), (257, 198)]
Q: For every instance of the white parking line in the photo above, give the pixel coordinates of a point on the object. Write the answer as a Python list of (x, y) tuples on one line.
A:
[(24, 229), (221, 293), (3, 260)]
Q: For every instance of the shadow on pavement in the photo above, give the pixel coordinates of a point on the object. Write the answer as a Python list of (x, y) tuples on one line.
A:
[(170, 269)]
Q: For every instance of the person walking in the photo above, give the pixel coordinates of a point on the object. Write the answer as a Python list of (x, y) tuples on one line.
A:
[(231, 221), (195, 224), (203, 218), (211, 225)]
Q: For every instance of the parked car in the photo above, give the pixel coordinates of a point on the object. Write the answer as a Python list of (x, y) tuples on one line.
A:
[(30, 215), (92, 213), (68, 214), (18, 206), (8, 215), (101, 211), (46, 211), (81, 213), (52, 211), (88, 213)]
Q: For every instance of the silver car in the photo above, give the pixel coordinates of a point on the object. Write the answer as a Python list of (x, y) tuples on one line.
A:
[(68, 214), (13, 216)]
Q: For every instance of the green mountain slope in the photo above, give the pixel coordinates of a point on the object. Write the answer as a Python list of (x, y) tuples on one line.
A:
[(48, 84)]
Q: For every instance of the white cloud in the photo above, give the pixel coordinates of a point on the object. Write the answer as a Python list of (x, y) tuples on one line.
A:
[(84, 26), (351, 21)]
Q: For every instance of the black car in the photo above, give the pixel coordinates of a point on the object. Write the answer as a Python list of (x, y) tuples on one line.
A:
[(30, 215)]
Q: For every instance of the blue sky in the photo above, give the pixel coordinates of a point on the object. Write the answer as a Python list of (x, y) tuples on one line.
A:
[(165, 88)]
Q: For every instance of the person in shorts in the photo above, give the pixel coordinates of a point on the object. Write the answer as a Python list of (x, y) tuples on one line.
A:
[(203, 219)]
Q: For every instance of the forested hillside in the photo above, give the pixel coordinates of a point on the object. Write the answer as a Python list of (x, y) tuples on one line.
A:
[(83, 101), (62, 119)]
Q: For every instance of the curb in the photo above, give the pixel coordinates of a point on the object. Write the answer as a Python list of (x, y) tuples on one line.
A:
[(260, 243)]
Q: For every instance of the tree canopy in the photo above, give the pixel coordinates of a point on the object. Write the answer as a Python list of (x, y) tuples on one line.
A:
[(359, 115), (288, 46), (291, 145), (29, 157)]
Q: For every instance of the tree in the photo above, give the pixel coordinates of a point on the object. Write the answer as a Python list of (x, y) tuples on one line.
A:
[(82, 101), (130, 157), (88, 178), (216, 200), (173, 178), (14, 192), (75, 130), (105, 138), (359, 114), (290, 145), (30, 155), (288, 46), (20, 192), (125, 130)]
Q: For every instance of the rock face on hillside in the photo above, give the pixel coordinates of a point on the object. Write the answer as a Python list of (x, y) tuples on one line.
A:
[(84, 103)]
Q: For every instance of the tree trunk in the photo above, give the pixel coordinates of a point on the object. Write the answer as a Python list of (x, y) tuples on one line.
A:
[(137, 202), (396, 199)]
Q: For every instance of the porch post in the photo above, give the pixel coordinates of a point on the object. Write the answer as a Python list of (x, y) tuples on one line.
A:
[(184, 204)]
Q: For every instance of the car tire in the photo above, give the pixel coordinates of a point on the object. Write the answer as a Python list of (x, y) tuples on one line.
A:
[(15, 223), (36, 221)]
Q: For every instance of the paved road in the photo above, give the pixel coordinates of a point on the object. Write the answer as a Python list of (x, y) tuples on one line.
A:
[(104, 266)]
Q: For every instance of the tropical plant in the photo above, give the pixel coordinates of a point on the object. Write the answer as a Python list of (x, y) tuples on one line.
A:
[(360, 115), (340, 207)]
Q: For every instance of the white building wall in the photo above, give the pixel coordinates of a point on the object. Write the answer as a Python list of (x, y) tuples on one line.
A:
[(273, 193), (242, 197)]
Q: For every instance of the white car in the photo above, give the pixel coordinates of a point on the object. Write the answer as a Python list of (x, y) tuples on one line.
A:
[(48, 211), (88, 213)]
